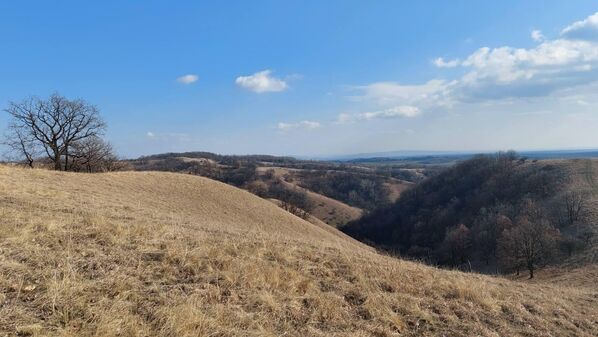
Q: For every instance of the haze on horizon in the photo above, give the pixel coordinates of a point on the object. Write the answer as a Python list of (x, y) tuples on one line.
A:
[(311, 78)]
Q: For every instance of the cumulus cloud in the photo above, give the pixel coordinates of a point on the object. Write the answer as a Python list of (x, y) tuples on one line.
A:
[(517, 72), (307, 125), (503, 73), (150, 134), (261, 82), (188, 79), (537, 35), (442, 63)]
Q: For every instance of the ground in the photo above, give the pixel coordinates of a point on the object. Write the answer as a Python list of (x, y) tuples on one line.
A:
[(161, 254)]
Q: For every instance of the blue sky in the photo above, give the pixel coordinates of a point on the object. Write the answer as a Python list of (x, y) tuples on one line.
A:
[(313, 77)]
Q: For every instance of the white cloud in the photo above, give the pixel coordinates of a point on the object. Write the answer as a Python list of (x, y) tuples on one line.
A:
[(390, 113), (394, 112), (537, 35), (503, 72), (586, 29), (188, 79), (307, 125), (516, 72), (261, 82), (177, 137), (392, 94), (344, 118), (442, 63)]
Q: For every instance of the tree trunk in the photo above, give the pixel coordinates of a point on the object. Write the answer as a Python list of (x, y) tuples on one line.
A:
[(530, 267), (57, 163)]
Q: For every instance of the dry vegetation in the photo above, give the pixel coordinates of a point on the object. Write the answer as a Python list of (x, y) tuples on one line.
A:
[(159, 254), (330, 211)]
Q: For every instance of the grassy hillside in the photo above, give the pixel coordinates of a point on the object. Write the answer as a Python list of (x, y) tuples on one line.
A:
[(333, 192), (328, 210), (162, 254)]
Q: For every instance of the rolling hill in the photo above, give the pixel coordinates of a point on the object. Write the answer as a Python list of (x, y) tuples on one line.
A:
[(461, 216), (165, 254), (335, 193)]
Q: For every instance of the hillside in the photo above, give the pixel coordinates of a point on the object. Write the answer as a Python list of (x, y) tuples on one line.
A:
[(328, 210), (163, 254), (333, 192), (463, 216)]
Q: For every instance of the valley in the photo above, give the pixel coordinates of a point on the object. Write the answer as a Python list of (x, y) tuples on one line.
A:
[(168, 254)]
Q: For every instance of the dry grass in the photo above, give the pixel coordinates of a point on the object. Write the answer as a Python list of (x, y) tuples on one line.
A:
[(158, 254), (330, 211), (397, 187)]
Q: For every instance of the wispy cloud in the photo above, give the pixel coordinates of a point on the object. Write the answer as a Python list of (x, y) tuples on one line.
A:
[(586, 29), (442, 63), (188, 79), (169, 136), (405, 111), (392, 94), (261, 82), (306, 125)]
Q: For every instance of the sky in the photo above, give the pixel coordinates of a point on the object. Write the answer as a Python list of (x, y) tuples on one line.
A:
[(313, 78)]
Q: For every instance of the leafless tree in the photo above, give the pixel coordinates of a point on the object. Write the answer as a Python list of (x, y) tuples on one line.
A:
[(574, 204), (529, 242), (457, 244), (21, 145), (54, 125), (92, 154)]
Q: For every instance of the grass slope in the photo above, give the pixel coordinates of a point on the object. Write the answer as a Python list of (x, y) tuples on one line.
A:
[(331, 211), (159, 254)]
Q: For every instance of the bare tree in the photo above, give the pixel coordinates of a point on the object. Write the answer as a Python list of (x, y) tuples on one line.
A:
[(574, 204), (530, 242), (457, 244), (91, 154), (21, 145), (54, 125)]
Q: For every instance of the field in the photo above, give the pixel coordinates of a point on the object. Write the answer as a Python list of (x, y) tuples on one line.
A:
[(165, 254)]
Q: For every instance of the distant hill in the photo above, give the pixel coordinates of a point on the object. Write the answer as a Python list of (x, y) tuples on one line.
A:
[(448, 158), (335, 193), (167, 254)]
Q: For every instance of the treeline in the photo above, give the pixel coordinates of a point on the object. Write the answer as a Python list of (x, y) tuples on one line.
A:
[(495, 212), (223, 159)]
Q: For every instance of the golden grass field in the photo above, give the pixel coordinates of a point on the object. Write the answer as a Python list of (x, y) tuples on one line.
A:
[(162, 254)]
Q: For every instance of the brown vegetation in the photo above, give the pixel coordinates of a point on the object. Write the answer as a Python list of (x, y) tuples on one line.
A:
[(492, 213), (159, 254)]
